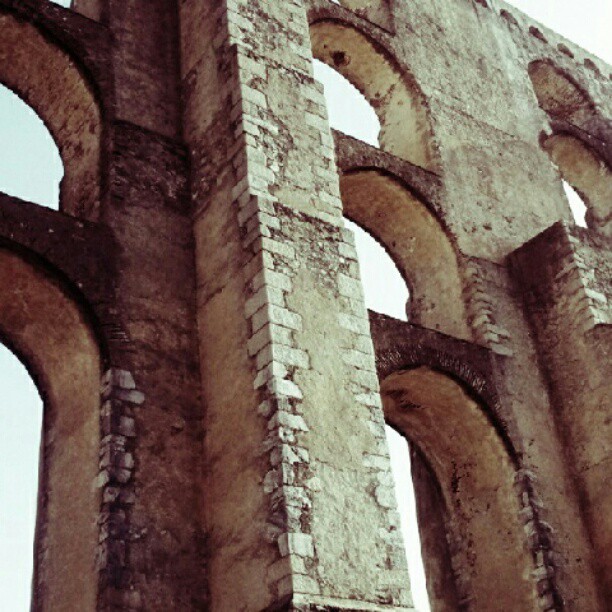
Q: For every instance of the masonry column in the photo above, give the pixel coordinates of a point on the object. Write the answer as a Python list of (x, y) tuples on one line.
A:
[(299, 502), (567, 295)]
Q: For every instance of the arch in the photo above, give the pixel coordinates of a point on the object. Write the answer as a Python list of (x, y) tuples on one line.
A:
[(384, 287), (559, 94), (33, 157), (448, 423), (405, 127), (376, 11), (362, 122), (49, 81), (416, 242), (583, 169), (50, 334), (20, 429)]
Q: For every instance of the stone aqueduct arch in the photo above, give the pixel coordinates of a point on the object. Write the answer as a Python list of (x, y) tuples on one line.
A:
[(54, 338), (573, 116), (475, 474), (273, 303), (405, 127), (51, 82)]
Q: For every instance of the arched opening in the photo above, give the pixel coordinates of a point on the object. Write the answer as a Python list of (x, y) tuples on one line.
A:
[(48, 80), (20, 428), (576, 204), (397, 100), (50, 333), (360, 121), (588, 175), (415, 241), (32, 163), (385, 290), (587, 178), (468, 510)]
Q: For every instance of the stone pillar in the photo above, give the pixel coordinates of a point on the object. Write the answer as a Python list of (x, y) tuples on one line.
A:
[(299, 501), (567, 295)]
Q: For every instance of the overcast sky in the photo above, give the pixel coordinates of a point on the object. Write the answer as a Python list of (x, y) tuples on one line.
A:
[(30, 168)]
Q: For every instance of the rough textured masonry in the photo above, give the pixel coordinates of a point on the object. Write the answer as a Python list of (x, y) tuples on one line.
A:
[(215, 391)]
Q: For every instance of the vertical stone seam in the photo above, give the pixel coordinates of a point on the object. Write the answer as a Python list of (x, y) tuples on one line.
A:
[(539, 537), (480, 308), (115, 479), (573, 282), (269, 273), (272, 324)]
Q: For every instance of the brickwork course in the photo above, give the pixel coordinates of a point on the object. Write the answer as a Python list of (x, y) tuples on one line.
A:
[(215, 390)]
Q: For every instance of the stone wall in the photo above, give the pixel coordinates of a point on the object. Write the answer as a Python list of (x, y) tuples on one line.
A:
[(242, 458)]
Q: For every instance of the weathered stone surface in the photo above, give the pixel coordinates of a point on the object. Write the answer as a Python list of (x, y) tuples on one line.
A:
[(215, 391)]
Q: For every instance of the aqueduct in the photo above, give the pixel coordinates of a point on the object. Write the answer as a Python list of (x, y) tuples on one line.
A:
[(216, 392)]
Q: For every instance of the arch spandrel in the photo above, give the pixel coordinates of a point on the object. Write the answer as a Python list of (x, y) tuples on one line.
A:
[(476, 474), (48, 80), (417, 243), (50, 334), (379, 12), (400, 105)]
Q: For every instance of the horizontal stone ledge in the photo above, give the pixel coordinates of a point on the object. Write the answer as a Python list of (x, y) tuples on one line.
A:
[(322, 604)]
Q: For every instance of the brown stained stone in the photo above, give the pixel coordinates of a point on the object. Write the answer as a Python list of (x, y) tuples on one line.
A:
[(215, 390)]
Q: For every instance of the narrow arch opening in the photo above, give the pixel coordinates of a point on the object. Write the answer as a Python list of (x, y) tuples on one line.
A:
[(416, 243), (20, 435), (348, 110), (473, 537), (587, 181), (52, 83), (52, 334), (31, 164), (399, 451), (576, 203), (385, 290)]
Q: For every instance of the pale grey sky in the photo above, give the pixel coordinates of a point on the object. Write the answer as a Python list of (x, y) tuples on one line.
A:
[(31, 169)]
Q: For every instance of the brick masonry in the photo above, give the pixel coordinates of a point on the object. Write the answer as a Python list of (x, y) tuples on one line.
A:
[(201, 253)]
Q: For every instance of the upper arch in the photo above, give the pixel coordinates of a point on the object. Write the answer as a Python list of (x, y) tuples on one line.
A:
[(49, 81), (416, 241), (392, 92), (588, 174)]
